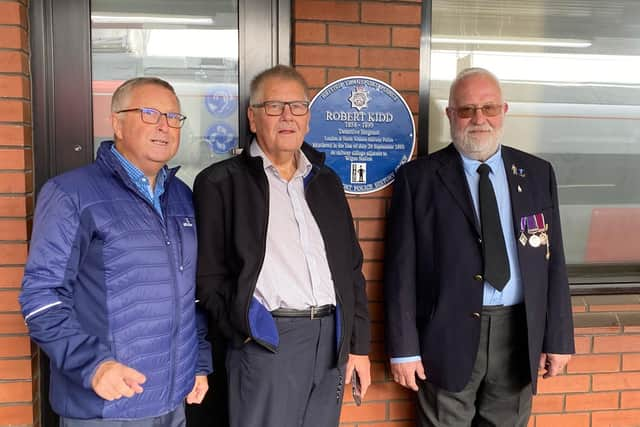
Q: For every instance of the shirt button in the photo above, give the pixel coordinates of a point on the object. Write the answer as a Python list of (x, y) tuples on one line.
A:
[(181, 268), (168, 243), (478, 278), (475, 315), (479, 240)]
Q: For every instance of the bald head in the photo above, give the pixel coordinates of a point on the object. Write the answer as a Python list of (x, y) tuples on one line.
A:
[(469, 73)]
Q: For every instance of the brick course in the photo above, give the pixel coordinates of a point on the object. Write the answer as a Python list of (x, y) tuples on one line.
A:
[(16, 186)]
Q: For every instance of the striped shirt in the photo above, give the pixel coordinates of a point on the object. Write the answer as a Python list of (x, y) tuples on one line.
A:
[(142, 182)]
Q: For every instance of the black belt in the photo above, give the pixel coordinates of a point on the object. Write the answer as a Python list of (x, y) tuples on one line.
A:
[(310, 313)]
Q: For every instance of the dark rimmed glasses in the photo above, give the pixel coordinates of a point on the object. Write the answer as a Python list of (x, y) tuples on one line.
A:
[(276, 108), (152, 116), (468, 111)]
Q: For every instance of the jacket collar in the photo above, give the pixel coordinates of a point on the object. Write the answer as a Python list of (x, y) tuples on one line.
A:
[(452, 175), (315, 157), (521, 191), (109, 160)]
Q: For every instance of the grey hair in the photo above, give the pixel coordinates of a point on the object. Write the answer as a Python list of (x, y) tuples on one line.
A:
[(122, 93), (283, 72), (468, 72)]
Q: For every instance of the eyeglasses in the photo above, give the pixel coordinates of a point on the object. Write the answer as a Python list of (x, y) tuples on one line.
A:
[(152, 116), (276, 108), (468, 111)]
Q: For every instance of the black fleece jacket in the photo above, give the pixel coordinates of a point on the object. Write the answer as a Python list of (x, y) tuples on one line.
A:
[(232, 201)]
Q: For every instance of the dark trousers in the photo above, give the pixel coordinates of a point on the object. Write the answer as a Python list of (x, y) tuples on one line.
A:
[(499, 390), (175, 418), (297, 386)]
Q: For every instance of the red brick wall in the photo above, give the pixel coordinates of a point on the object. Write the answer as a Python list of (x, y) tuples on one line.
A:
[(601, 387), (16, 206), (380, 39)]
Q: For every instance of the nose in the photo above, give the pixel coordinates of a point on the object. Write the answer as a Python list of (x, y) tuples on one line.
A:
[(478, 116), (163, 123), (286, 112)]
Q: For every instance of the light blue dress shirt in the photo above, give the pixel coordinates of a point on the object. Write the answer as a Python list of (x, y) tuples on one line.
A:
[(142, 182), (512, 293)]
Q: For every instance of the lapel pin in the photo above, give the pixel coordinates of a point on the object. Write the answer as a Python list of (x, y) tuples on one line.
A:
[(519, 189), (517, 171)]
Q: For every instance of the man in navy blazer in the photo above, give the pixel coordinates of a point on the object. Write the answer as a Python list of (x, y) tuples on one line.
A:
[(470, 348)]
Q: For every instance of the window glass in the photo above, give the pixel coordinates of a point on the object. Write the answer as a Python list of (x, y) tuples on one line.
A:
[(570, 75), (194, 46)]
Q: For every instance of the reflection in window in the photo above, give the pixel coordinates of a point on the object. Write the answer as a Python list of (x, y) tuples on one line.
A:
[(569, 73), (194, 46)]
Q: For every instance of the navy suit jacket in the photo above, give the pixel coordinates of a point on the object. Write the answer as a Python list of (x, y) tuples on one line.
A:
[(433, 258)]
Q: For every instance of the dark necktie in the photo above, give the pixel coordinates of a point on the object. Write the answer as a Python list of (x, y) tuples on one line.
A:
[(496, 261)]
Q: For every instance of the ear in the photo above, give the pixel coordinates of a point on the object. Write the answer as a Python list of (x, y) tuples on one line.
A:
[(117, 126), (450, 113), (506, 108), (252, 119)]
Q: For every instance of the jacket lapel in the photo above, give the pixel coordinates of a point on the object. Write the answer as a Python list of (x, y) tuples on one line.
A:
[(452, 175), (520, 191)]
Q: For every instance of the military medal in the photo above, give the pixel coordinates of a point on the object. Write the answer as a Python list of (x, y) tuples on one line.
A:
[(536, 226), (534, 241), (523, 226), (544, 239)]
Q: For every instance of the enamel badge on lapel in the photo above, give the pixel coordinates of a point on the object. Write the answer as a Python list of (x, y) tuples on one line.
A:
[(517, 171)]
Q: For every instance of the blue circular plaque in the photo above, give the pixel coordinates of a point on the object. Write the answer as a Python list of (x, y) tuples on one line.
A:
[(221, 138), (366, 130), (222, 100)]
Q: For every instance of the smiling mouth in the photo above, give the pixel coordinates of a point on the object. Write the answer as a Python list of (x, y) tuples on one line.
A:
[(160, 141)]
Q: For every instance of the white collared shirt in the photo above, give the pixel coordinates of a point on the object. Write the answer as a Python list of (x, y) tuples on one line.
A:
[(295, 272)]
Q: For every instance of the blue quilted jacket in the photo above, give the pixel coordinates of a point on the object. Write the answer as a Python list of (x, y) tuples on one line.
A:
[(109, 278)]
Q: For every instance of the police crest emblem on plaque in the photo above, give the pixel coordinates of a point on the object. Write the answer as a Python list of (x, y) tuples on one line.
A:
[(359, 98)]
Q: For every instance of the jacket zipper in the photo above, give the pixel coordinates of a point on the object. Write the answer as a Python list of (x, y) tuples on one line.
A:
[(165, 234), (174, 284)]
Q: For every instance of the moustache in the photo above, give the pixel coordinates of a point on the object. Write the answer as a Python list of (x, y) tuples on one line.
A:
[(482, 128)]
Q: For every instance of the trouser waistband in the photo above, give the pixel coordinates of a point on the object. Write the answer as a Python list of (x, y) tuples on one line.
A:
[(312, 312)]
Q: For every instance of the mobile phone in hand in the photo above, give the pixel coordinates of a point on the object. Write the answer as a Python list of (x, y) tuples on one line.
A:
[(356, 389)]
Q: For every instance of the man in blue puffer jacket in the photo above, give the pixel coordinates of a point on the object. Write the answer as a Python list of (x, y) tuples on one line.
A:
[(109, 287)]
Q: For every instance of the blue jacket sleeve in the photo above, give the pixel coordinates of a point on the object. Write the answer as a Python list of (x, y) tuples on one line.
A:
[(205, 362), (58, 244)]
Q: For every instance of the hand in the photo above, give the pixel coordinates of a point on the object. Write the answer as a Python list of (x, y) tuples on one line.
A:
[(553, 364), (363, 368), (199, 389), (114, 380), (405, 374)]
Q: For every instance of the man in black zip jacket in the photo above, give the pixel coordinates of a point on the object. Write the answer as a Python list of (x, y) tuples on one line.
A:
[(279, 268)]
